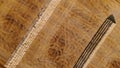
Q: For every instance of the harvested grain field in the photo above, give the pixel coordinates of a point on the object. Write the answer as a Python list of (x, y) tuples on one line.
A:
[(55, 33)]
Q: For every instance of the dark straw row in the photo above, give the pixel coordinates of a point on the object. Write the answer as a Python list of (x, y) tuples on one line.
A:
[(93, 43)]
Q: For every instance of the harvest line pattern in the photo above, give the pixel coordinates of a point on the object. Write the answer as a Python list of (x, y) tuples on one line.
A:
[(94, 42), (18, 54)]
